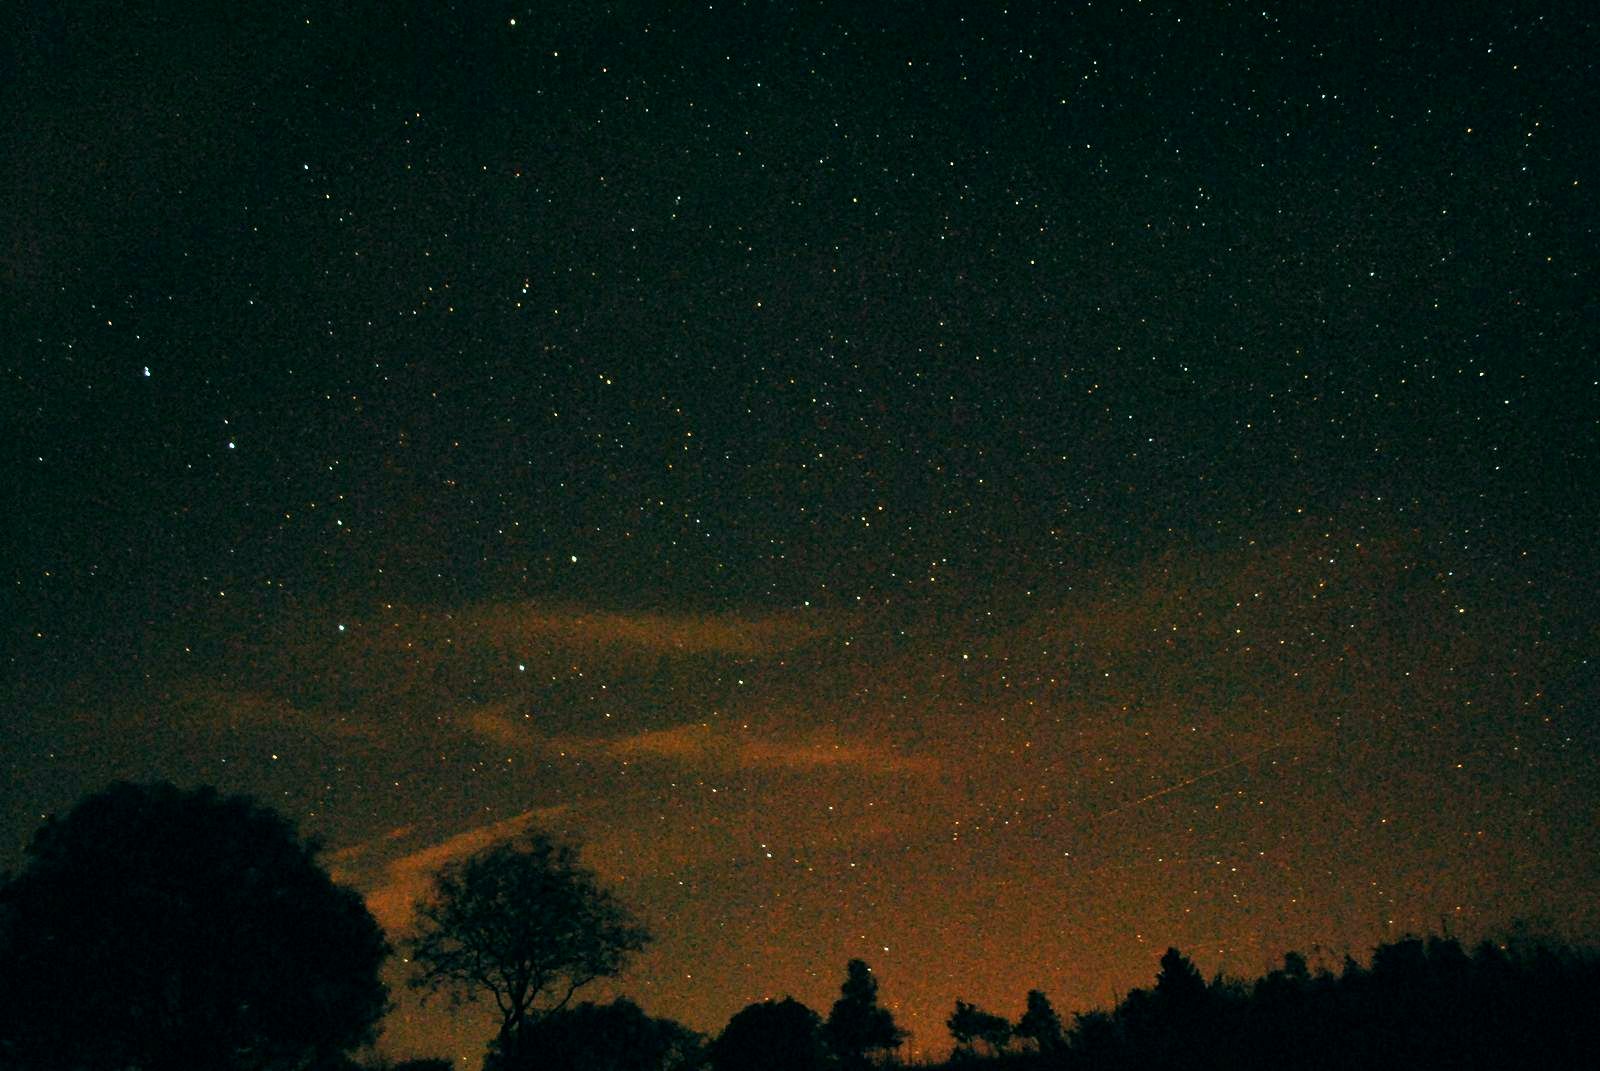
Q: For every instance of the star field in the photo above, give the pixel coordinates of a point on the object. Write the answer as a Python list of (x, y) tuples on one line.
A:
[(992, 491)]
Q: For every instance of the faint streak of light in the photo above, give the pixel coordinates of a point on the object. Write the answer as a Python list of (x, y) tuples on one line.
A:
[(1180, 785)]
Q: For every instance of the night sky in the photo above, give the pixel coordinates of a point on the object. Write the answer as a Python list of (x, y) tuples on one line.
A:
[(991, 491)]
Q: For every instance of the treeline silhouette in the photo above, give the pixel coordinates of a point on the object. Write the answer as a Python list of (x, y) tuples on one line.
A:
[(158, 929), (1422, 1003)]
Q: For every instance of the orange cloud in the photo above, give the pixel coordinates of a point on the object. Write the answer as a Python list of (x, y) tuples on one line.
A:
[(202, 706), (392, 887), (661, 633), (494, 724), (694, 743), (699, 744), (820, 751)]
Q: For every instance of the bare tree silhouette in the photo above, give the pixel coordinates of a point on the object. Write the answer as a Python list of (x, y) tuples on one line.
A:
[(525, 923)]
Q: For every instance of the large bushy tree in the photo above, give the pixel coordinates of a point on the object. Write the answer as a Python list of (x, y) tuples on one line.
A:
[(158, 928), (525, 923)]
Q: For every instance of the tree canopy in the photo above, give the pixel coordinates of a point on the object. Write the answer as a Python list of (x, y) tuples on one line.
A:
[(774, 1035), (1178, 982), (858, 1027), (1040, 1024), (160, 928), (618, 1036), (523, 922), (970, 1024)]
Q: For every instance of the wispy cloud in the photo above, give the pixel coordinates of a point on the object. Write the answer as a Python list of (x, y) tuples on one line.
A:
[(495, 724), (343, 678), (822, 751), (702, 745), (653, 632), (393, 885), (202, 705)]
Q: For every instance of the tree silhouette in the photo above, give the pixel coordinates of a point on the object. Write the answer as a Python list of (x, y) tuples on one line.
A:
[(969, 1024), (524, 922), (1040, 1024), (1171, 1024), (157, 928), (601, 1037), (1096, 1039), (1178, 982), (780, 1035), (858, 1028)]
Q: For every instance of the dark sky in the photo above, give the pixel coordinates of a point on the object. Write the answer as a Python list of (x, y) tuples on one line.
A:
[(994, 491)]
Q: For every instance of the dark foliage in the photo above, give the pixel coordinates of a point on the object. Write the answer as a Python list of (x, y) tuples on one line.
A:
[(782, 1035), (600, 1037), (158, 928), (859, 1029), (525, 923), (1040, 1024), (970, 1025), (1423, 1004)]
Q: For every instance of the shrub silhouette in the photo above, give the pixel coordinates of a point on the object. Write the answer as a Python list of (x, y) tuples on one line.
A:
[(158, 928), (780, 1035), (600, 1037)]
